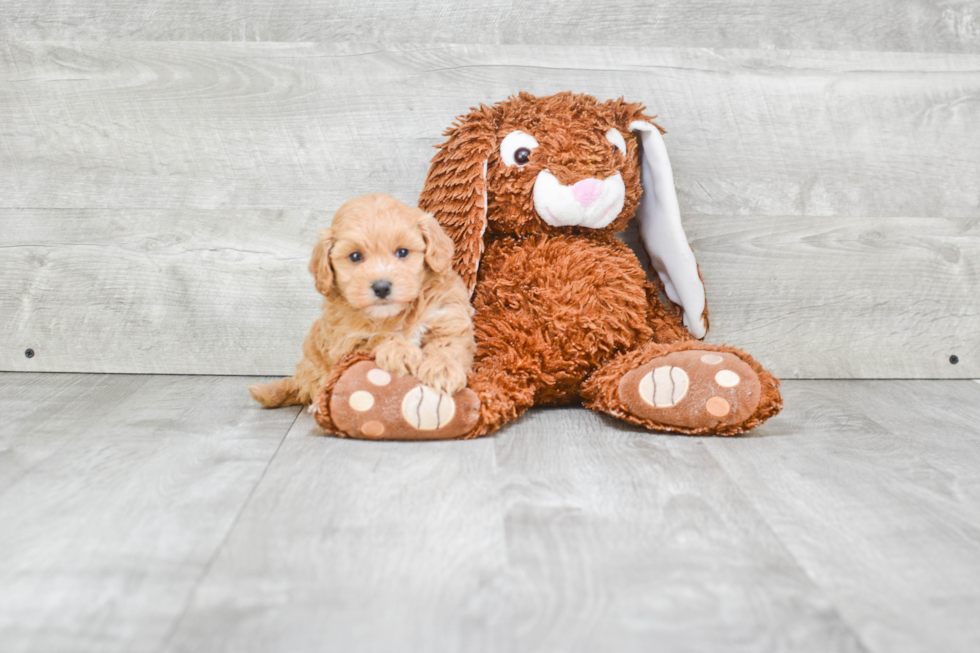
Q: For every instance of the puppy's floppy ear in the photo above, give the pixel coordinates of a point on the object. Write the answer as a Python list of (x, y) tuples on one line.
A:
[(456, 188), (320, 263), (662, 233), (438, 246)]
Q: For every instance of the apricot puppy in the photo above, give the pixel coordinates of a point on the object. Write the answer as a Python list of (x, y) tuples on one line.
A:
[(385, 269)]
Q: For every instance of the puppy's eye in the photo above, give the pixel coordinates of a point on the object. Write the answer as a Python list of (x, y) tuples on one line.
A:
[(356, 257), (516, 148), (401, 252), (616, 138)]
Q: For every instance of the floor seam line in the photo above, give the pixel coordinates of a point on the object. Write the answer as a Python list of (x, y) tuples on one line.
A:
[(825, 592), (27, 471), (165, 641)]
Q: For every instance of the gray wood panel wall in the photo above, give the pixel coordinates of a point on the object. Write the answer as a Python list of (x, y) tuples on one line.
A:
[(164, 169)]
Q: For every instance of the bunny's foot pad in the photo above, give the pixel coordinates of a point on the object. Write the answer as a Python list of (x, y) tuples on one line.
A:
[(372, 404), (692, 390)]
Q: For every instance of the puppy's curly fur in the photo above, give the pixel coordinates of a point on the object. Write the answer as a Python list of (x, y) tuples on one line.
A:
[(386, 271)]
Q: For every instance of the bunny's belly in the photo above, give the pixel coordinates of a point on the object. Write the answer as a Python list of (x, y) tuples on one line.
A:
[(550, 309)]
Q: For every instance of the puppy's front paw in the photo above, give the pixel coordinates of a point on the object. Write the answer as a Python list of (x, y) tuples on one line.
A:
[(398, 357), (442, 374)]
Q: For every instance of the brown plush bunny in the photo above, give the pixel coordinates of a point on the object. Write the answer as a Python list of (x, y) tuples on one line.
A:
[(532, 191)]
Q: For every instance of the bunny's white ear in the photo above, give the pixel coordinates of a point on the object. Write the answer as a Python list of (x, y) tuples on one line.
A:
[(662, 233)]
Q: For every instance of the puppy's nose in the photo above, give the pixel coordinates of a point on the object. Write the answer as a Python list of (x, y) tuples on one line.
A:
[(381, 288)]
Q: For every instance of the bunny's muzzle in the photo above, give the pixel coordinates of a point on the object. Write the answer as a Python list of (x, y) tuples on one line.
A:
[(592, 203)]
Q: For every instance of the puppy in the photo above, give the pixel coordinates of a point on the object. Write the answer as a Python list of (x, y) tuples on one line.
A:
[(385, 269)]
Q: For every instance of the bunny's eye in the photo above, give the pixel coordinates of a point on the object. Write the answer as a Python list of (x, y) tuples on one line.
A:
[(616, 138), (516, 148)]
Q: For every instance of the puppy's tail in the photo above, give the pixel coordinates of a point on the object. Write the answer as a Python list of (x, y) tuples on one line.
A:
[(284, 392)]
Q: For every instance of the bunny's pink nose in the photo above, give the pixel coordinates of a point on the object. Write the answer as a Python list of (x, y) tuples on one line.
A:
[(587, 191)]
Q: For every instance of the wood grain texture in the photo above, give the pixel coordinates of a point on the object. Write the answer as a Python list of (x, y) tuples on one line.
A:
[(874, 488), (913, 25), (622, 540), (228, 292), (354, 545), (142, 513), (157, 291), (235, 153), (115, 493), (41, 414), (203, 125), (843, 297)]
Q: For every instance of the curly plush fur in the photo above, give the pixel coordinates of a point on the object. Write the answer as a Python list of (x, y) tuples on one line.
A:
[(564, 313), (419, 324)]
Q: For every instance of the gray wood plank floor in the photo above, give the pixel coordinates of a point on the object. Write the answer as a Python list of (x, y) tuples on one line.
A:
[(166, 513)]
